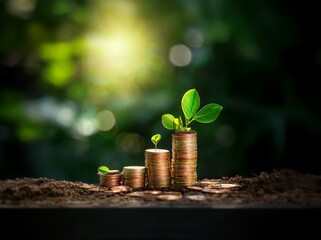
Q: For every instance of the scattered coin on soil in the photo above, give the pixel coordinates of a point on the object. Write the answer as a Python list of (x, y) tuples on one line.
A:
[(107, 190), (225, 185), (94, 189), (136, 194), (121, 188), (85, 185), (208, 182), (212, 190), (198, 197), (169, 197), (195, 188), (152, 192)]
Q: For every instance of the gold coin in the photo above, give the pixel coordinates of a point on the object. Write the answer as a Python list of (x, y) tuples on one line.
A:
[(198, 197), (159, 185), (173, 193), (94, 189), (106, 189), (209, 182), (195, 188), (225, 185), (187, 176), (169, 197), (121, 188), (110, 181), (85, 185), (136, 194), (185, 155), (211, 190), (153, 192)]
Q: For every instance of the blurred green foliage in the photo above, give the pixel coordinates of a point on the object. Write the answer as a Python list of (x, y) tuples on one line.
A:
[(85, 83)]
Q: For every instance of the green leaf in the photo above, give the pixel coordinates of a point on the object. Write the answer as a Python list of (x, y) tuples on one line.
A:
[(167, 121), (208, 113), (103, 170), (178, 124), (156, 138), (190, 103)]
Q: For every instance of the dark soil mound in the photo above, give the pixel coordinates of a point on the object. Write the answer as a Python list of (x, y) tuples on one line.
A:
[(283, 187)]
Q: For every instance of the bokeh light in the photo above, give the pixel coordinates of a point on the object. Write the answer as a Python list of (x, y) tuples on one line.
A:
[(180, 55), (194, 38), (21, 8), (85, 127), (48, 109), (120, 51), (105, 120), (129, 142)]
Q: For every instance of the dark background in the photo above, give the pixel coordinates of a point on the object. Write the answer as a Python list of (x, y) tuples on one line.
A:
[(259, 59)]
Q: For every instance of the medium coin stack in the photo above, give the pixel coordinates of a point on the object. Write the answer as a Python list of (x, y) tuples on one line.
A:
[(184, 158), (157, 163), (134, 176), (111, 179)]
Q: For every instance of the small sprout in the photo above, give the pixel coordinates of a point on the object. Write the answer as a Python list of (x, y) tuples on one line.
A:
[(190, 104), (103, 170), (155, 139)]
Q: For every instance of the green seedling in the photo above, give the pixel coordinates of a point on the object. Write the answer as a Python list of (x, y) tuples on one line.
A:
[(155, 139), (103, 170), (190, 104)]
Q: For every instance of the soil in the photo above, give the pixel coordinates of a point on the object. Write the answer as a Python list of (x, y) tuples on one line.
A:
[(279, 188), (266, 206)]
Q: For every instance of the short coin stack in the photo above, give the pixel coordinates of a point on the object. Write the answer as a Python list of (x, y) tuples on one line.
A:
[(134, 176), (184, 158), (111, 179), (157, 163)]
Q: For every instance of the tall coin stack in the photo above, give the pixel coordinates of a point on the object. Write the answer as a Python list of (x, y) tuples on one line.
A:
[(157, 163), (134, 176), (184, 158), (112, 179)]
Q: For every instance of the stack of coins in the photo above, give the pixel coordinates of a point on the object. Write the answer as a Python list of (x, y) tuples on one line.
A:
[(184, 158), (111, 179), (157, 163), (134, 176)]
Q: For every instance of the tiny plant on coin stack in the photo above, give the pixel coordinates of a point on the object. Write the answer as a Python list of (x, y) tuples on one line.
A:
[(155, 139), (109, 178), (157, 163), (184, 139)]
